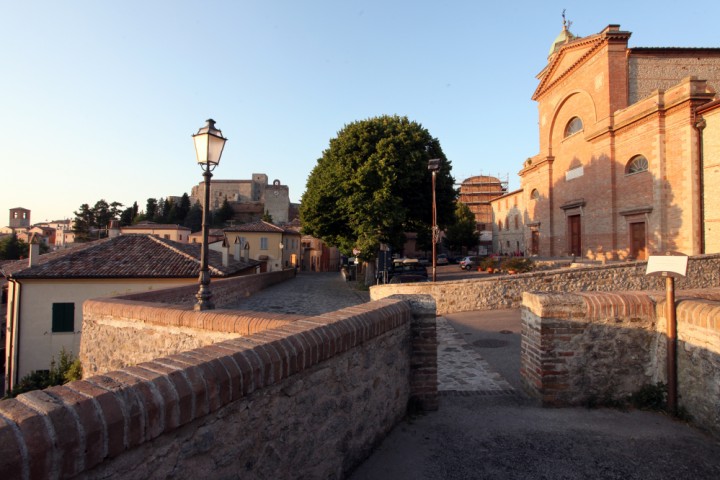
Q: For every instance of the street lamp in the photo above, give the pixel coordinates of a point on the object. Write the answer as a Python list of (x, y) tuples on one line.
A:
[(209, 144), (434, 166)]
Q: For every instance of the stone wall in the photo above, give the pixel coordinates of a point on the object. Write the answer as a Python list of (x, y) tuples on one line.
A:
[(225, 291), (586, 348), (506, 291), (308, 399)]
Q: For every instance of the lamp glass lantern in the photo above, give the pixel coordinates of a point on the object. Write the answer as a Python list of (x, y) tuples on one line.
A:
[(209, 145)]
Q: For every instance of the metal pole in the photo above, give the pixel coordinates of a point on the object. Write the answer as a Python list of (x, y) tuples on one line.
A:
[(434, 228), (203, 296), (671, 345)]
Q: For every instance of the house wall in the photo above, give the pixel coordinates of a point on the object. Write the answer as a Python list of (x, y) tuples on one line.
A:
[(588, 348), (181, 235), (33, 345), (507, 291), (309, 399)]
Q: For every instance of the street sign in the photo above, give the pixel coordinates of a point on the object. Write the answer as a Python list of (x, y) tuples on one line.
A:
[(667, 265)]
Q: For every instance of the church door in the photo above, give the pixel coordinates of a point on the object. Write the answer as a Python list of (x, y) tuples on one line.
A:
[(535, 243), (575, 237), (638, 247)]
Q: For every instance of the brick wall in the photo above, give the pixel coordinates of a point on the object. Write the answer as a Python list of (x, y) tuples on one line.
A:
[(585, 348), (308, 399), (506, 291)]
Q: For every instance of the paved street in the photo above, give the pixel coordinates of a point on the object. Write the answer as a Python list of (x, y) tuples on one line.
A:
[(486, 427)]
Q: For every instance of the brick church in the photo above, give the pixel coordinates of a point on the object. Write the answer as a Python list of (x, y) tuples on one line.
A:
[(629, 161)]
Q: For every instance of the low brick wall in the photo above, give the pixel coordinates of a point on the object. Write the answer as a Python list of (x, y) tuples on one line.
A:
[(583, 348), (506, 291), (226, 291), (118, 332), (308, 399)]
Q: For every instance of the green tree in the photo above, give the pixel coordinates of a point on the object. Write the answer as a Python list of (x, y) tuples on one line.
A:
[(66, 370), (193, 220), (12, 248), (84, 220), (372, 184), (223, 214), (463, 233), (183, 208), (151, 208), (267, 217)]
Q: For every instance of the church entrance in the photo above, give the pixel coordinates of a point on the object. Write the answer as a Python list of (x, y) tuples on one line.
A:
[(638, 246), (534, 242), (575, 236)]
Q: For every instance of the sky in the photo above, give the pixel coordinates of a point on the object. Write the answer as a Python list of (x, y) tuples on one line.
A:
[(99, 99)]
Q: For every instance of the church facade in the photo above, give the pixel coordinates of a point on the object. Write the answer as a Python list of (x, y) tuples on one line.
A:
[(628, 150)]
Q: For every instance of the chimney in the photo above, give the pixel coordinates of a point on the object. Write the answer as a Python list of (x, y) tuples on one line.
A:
[(238, 247), (34, 250), (225, 249), (113, 229)]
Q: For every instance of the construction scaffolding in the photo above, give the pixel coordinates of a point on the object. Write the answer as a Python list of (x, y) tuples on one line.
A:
[(477, 191)]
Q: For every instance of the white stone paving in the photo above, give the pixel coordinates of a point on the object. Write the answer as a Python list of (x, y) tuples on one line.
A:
[(461, 369)]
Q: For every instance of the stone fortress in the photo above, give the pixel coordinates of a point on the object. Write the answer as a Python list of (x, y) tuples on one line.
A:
[(250, 199)]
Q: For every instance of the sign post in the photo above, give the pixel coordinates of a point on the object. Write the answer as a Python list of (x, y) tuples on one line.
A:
[(669, 266)]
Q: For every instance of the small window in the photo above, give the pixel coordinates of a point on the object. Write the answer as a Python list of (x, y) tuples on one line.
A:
[(499, 224), (63, 317), (636, 165), (517, 222), (574, 125), (263, 243), (507, 223), (535, 195)]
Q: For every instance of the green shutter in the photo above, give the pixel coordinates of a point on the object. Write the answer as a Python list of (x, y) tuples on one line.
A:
[(63, 317)]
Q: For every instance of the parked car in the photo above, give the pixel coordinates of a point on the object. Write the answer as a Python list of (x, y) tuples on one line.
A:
[(468, 263), (406, 266), (408, 278), (442, 259)]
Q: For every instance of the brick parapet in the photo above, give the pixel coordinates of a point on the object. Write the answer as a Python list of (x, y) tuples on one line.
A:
[(581, 348), (103, 424), (225, 291)]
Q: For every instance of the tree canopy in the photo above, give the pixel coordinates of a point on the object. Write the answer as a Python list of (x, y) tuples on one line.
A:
[(463, 233), (372, 184)]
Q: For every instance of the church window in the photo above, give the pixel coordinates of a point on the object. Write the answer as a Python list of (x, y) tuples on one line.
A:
[(499, 224), (574, 125), (535, 195), (636, 165)]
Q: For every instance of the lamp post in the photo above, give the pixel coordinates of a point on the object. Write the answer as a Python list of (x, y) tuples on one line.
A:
[(434, 166), (209, 144)]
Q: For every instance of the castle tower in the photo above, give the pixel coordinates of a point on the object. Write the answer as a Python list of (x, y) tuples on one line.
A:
[(19, 218)]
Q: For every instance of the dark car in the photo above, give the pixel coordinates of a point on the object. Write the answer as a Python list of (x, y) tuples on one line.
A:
[(408, 278), (407, 266)]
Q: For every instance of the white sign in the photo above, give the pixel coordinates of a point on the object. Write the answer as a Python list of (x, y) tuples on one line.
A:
[(667, 265), (574, 173)]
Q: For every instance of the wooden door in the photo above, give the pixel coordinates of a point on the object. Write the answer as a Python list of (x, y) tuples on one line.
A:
[(638, 246), (535, 242), (575, 236)]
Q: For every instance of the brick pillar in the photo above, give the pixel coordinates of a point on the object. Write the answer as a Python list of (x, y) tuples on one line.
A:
[(423, 354)]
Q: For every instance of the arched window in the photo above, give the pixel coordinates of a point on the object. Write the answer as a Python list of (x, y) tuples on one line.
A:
[(636, 164), (574, 125), (535, 195), (499, 224)]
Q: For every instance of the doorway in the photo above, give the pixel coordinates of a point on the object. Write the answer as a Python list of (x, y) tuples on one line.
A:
[(638, 244), (535, 242), (575, 236)]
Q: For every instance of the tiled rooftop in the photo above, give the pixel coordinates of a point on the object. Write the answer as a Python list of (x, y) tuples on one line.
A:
[(259, 226), (126, 256)]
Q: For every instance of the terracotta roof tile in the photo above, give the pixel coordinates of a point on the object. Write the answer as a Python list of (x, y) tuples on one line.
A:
[(127, 256), (259, 226)]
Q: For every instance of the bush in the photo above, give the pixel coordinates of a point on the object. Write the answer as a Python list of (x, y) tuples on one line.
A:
[(66, 370), (519, 264)]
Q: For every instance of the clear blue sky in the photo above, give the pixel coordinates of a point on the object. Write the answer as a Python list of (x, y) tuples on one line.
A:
[(100, 98)]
